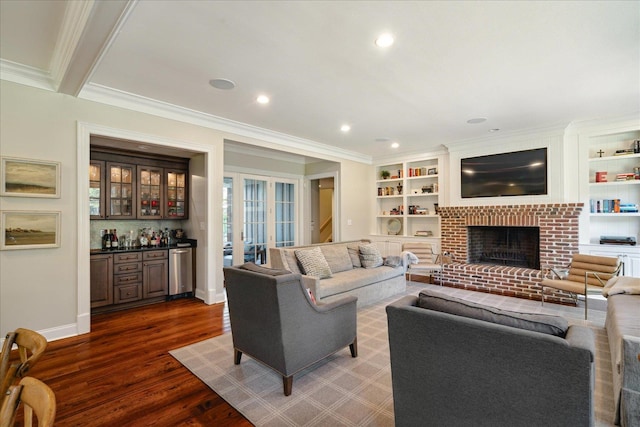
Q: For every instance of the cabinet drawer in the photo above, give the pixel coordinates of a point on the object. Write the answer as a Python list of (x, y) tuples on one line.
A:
[(127, 293), (127, 257), (154, 255), (132, 267), (123, 279)]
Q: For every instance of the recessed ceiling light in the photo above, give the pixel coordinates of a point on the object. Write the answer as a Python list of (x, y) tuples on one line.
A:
[(494, 130), (345, 128), (384, 40), (262, 99), (477, 120), (395, 145), (222, 84)]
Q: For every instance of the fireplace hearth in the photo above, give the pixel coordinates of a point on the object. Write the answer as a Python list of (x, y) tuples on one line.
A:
[(510, 246)]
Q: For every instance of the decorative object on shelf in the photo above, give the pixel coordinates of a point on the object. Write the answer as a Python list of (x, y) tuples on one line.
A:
[(399, 188), (421, 211), (636, 146), (384, 174), (435, 208), (427, 189), (623, 152), (432, 171), (424, 233), (415, 191), (380, 191), (30, 230), (600, 153), (394, 225), (30, 178), (601, 177)]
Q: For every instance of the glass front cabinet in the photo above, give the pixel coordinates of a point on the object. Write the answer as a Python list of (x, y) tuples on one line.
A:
[(150, 192), (127, 187), (121, 190)]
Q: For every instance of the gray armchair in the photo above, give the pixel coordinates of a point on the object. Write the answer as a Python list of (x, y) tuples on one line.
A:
[(274, 321)]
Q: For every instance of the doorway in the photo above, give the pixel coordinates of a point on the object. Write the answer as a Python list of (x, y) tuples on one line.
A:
[(322, 207)]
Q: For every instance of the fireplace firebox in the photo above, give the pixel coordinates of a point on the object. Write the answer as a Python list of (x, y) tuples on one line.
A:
[(504, 245)]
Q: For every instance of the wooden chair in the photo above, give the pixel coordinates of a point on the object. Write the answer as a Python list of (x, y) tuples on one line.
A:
[(31, 346), (36, 397), (585, 273), (428, 261)]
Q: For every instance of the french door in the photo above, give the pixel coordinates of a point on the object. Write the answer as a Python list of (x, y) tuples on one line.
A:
[(258, 213)]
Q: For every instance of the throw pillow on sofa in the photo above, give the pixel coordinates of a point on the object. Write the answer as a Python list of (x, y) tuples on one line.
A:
[(337, 257), (313, 263), (370, 256), (547, 324)]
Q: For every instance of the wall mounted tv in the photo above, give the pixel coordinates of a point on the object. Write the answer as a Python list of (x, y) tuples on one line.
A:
[(519, 173)]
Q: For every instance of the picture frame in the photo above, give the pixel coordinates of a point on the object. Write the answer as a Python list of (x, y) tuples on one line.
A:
[(432, 171), (29, 178), (29, 230)]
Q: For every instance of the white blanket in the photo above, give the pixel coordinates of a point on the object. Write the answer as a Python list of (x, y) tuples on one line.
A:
[(622, 285)]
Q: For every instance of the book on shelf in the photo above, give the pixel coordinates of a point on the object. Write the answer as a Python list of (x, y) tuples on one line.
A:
[(611, 206)]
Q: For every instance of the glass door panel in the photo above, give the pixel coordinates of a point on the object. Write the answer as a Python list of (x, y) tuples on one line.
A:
[(227, 222), (255, 220), (285, 214), (176, 194), (120, 182), (96, 189), (149, 191)]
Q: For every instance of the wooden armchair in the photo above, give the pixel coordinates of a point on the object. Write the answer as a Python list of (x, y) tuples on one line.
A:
[(31, 346), (36, 397), (585, 273)]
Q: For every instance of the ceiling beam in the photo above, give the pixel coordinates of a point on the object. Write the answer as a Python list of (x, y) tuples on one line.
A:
[(89, 28)]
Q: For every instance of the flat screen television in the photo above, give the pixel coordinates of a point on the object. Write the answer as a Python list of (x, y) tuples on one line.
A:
[(519, 173)]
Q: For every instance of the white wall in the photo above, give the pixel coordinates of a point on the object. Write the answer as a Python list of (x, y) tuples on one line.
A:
[(39, 289)]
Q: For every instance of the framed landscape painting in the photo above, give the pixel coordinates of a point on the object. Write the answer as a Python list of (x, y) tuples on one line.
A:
[(29, 178), (29, 230)]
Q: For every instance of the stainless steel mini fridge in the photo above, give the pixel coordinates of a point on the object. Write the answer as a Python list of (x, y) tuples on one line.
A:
[(180, 274)]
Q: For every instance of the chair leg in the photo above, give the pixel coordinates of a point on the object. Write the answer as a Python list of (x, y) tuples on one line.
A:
[(287, 382), (353, 347), (237, 355)]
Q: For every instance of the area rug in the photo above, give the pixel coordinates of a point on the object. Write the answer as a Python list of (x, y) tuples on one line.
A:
[(346, 391)]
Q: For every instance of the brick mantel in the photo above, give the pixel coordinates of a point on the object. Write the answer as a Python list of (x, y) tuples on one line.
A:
[(559, 226)]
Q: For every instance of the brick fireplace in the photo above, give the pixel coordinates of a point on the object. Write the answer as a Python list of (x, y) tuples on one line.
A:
[(558, 240)]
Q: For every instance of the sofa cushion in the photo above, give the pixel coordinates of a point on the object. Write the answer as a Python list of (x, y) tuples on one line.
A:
[(337, 257), (313, 263), (263, 270), (354, 279), (370, 256), (354, 254), (547, 324)]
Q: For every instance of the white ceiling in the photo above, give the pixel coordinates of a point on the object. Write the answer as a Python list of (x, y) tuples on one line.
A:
[(522, 65)]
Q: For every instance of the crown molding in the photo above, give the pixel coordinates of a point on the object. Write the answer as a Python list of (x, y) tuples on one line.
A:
[(25, 75), (116, 98)]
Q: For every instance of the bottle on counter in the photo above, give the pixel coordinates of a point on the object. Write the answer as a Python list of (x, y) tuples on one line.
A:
[(103, 239), (114, 240), (107, 240)]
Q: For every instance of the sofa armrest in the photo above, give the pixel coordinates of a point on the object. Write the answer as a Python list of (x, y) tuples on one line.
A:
[(582, 337), (322, 307)]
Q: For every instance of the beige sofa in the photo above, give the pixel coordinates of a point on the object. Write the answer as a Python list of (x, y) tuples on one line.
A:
[(623, 331), (348, 277)]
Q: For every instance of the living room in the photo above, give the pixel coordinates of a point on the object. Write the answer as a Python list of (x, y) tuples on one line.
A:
[(43, 119)]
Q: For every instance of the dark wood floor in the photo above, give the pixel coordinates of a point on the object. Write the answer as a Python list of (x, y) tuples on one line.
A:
[(121, 373)]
